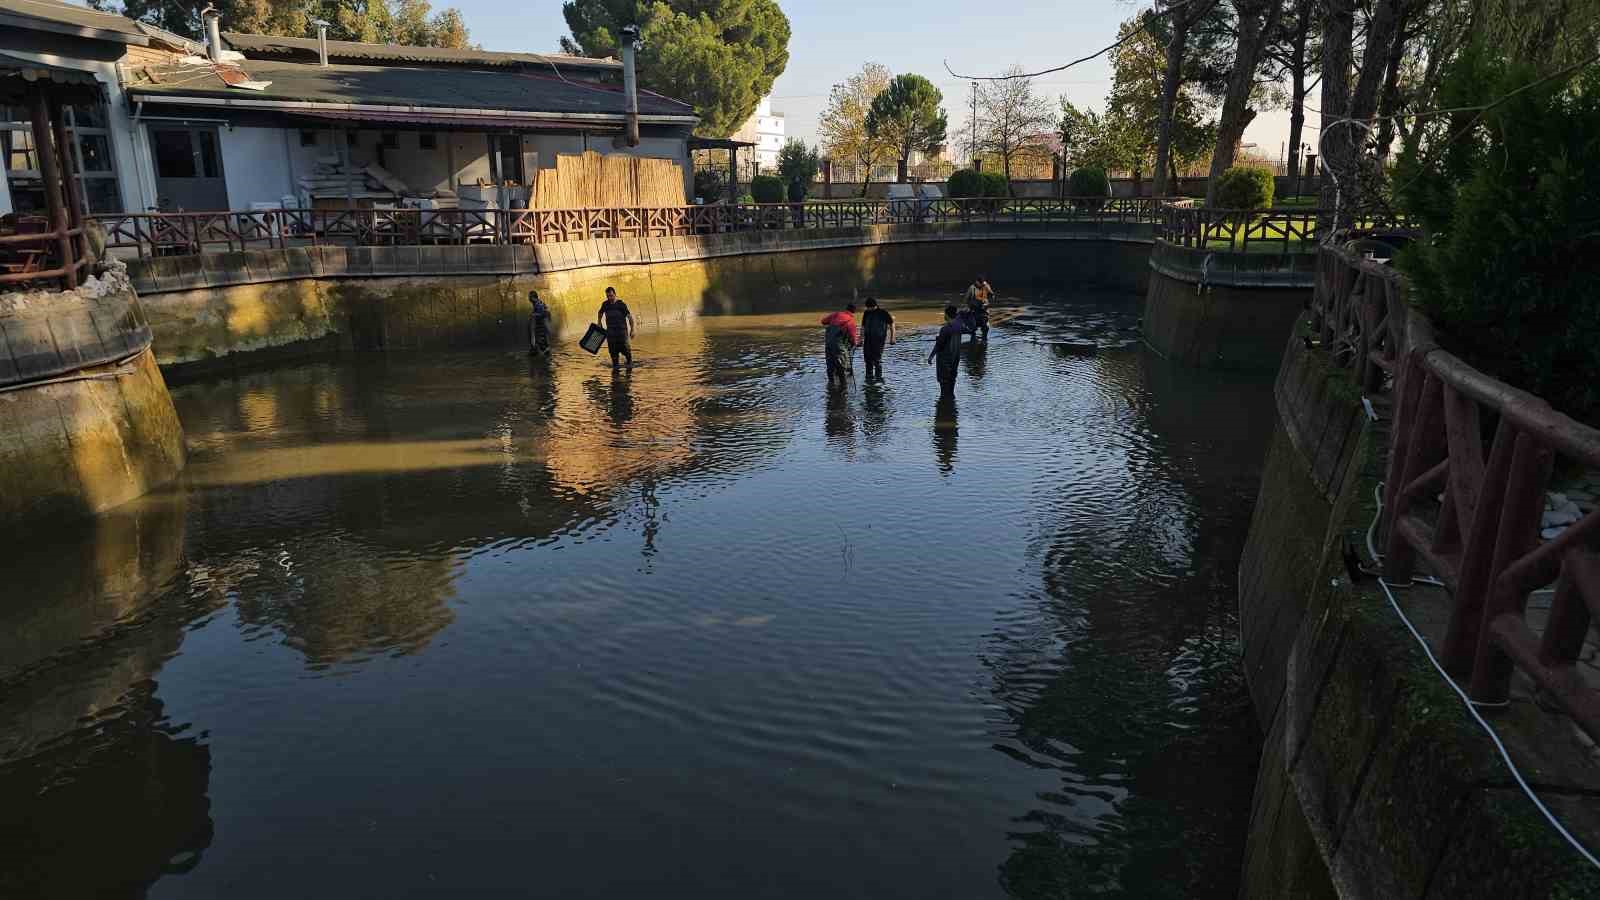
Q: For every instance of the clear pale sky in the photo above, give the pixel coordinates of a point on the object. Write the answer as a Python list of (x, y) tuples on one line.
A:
[(832, 38)]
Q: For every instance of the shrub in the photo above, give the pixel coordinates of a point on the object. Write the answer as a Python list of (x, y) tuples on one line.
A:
[(1245, 187), (1509, 270), (964, 183), (709, 185), (767, 189), (995, 185), (1089, 182)]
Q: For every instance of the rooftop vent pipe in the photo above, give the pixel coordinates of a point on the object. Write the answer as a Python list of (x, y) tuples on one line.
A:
[(630, 85), (322, 41), (213, 20)]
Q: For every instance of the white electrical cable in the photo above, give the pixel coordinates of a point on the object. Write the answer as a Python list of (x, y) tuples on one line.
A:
[(1472, 707)]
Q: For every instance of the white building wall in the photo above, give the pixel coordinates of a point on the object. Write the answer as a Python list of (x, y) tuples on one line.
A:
[(264, 164), (255, 165), (766, 129)]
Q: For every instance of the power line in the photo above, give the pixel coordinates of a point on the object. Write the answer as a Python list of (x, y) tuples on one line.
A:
[(1145, 21)]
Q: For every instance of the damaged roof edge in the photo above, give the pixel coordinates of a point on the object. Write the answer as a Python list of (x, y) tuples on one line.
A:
[(356, 50), (147, 96)]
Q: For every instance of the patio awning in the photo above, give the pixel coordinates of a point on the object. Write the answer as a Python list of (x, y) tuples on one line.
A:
[(20, 78), (446, 120)]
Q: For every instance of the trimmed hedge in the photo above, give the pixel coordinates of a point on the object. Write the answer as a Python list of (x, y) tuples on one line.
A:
[(767, 189), (967, 183), (1245, 187), (964, 183), (1089, 182)]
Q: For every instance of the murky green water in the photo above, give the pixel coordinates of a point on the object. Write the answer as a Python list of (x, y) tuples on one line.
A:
[(448, 624)]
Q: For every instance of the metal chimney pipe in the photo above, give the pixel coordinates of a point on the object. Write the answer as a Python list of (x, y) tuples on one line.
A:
[(630, 85), (213, 20), (322, 41)]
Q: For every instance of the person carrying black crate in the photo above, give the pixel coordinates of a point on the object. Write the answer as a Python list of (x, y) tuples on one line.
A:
[(618, 322)]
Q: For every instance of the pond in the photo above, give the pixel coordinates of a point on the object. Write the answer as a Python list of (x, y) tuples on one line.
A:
[(452, 623)]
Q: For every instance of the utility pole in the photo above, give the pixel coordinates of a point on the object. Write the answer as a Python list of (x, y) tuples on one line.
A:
[(972, 127)]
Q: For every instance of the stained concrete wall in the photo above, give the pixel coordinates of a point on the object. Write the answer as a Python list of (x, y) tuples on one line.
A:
[(221, 310), (74, 448), (1224, 310), (85, 419), (1373, 782)]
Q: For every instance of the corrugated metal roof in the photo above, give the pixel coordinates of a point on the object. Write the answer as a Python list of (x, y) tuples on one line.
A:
[(403, 86), (264, 45), (70, 16)]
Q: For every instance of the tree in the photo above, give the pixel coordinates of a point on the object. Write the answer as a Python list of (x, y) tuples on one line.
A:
[(908, 117), (1179, 18), (1076, 128), (843, 126), (1505, 192), (1347, 111), (409, 22), (1131, 127), (1289, 56), (1257, 21), (720, 55), (796, 161), (1011, 118)]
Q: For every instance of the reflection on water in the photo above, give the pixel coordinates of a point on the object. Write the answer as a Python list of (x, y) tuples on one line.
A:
[(945, 429), (442, 623)]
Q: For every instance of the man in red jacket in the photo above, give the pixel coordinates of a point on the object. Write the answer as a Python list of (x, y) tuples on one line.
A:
[(840, 340)]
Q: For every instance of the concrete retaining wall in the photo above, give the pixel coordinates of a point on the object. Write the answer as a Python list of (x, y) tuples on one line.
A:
[(85, 419), (73, 448), (254, 306), (1223, 310), (1373, 781)]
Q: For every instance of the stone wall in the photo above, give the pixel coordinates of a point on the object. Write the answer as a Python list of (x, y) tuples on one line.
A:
[(244, 308), (85, 419), (1373, 781)]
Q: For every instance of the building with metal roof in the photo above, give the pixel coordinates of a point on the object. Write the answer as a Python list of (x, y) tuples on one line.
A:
[(260, 120), (293, 49)]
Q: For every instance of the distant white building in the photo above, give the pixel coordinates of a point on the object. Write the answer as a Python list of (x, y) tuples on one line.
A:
[(765, 129)]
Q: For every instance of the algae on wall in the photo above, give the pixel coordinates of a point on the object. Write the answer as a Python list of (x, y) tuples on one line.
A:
[(207, 327)]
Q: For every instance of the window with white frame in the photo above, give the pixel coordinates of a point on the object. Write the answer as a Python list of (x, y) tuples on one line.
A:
[(92, 153)]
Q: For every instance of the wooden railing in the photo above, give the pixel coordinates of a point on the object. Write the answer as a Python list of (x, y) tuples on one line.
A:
[(1278, 230), (1466, 505), (178, 234)]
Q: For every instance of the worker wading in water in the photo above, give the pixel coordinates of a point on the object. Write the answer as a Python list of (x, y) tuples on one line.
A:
[(947, 351), (618, 322), (978, 295), (538, 326), (840, 341), (877, 329)]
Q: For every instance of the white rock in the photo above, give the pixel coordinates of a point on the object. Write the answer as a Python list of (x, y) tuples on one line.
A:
[(1555, 517), (1554, 500), (1551, 534)]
